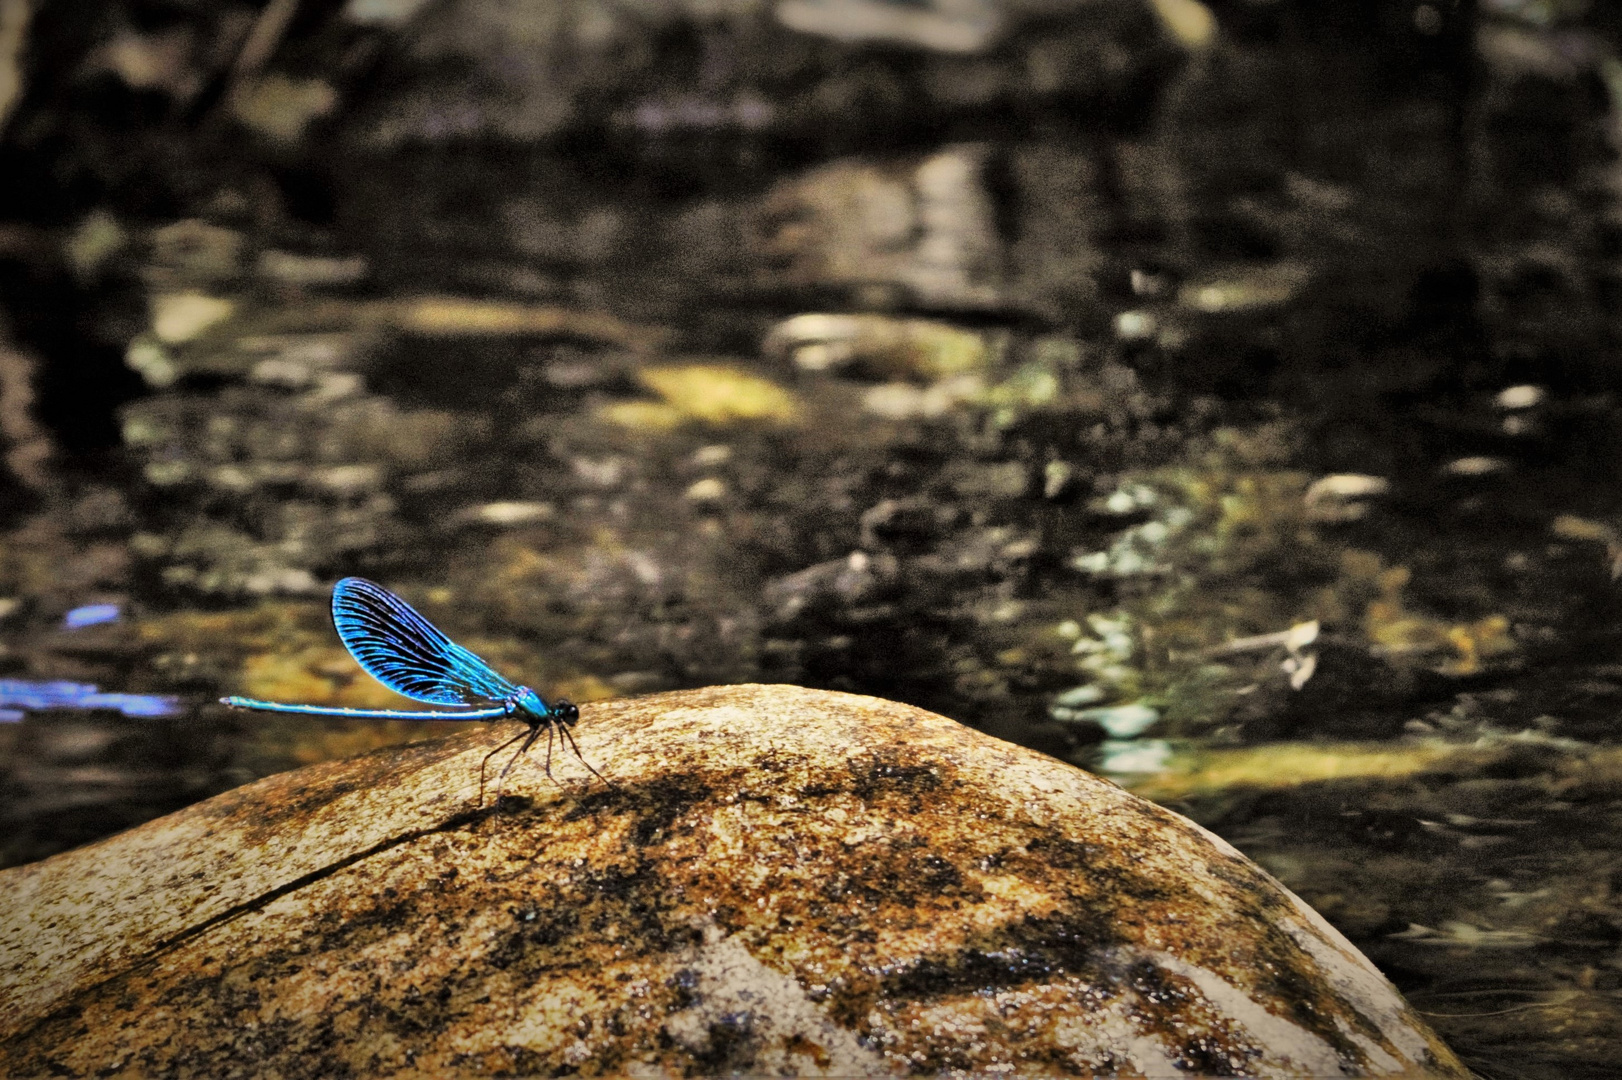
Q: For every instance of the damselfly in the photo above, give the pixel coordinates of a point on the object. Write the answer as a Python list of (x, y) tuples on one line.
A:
[(409, 655)]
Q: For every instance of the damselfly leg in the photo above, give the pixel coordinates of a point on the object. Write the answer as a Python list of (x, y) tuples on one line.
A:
[(564, 731), (555, 730), (483, 764), (530, 736)]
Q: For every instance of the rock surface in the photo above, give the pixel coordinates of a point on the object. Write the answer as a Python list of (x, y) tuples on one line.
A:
[(781, 881)]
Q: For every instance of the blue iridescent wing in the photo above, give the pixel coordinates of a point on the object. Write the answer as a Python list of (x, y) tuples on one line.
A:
[(406, 653)]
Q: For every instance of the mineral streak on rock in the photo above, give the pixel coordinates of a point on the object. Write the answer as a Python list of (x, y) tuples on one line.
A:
[(782, 881)]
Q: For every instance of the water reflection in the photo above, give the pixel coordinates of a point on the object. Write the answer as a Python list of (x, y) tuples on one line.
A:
[(19, 695)]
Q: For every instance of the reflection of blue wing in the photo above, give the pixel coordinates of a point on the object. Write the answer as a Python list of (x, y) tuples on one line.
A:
[(403, 651)]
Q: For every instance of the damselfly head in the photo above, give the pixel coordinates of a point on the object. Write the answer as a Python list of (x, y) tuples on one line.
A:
[(566, 711)]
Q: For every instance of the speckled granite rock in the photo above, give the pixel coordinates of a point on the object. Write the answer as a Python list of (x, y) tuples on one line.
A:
[(783, 881)]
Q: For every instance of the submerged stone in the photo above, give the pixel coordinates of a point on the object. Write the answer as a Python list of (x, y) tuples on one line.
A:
[(780, 881)]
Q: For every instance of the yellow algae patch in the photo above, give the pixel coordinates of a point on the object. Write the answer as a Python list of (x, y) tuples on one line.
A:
[(899, 348), (1396, 630), (456, 316), (1189, 21), (224, 636), (1246, 288), (315, 676), (1283, 765), (705, 393), (281, 652), (281, 108), (642, 415), (178, 317), (1473, 641)]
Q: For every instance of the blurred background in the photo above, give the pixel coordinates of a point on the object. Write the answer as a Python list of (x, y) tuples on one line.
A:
[(1221, 395)]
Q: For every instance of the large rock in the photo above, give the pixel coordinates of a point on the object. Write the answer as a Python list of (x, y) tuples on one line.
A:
[(781, 881)]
